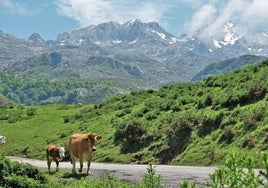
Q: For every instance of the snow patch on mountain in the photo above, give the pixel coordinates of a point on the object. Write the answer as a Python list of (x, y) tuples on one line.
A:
[(216, 43), (229, 39), (161, 35), (131, 22), (134, 41), (173, 40), (116, 41), (230, 36)]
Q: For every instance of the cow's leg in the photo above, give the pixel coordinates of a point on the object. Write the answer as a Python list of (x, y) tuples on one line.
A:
[(88, 166), (89, 159), (57, 165), (48, 163), (81, 162), (73, 162)]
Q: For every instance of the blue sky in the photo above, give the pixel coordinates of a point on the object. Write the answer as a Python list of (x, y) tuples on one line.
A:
[(21, 18)]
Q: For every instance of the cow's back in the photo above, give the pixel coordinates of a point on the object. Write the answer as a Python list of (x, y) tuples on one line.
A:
[(75, 144), (52, 151)]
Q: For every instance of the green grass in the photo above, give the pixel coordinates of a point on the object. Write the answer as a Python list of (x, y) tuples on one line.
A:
[(187, 124), (46, 127)]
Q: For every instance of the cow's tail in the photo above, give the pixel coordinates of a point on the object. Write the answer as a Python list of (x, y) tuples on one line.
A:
[(47, 151), (47, 154)]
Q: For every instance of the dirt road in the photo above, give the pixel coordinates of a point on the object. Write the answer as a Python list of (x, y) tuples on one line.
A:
[(172, 176)]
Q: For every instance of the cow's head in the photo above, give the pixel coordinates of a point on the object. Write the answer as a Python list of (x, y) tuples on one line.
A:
[(93, 138), (61, 152)]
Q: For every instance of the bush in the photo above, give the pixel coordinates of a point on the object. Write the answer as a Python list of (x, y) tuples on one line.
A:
[(252, 118), (31, 111), (15, 174), (151, 179), (249, 142), (227, 136), (210, 122), (132, 136), (176, 139), (239, 172)]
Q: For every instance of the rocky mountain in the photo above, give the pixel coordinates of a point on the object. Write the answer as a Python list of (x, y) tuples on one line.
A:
[(136, 54), (36, 38), (234, 41)]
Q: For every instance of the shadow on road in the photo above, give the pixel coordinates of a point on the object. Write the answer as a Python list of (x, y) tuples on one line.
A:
[(76, 176)]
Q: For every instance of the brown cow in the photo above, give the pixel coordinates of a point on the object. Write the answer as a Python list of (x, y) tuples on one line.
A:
[(54, 153), (82, 146)]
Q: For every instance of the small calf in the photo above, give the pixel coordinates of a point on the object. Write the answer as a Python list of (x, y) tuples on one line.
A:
[(54, 153)]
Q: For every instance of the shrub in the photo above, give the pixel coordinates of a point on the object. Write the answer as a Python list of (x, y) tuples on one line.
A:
[(132, 136), (152, 115), (187, 184), (151, 179), (15, 174), (31, 111), (249, 142), (176, 140), (227, 136), (210, 122), (239, 172), (66, 119), (252, 118)]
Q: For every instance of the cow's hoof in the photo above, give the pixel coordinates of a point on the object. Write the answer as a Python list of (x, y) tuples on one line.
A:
[(89, 173), (80, 170)]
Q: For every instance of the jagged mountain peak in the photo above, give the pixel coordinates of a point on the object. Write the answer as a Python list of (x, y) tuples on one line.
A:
[(36, 38), (135, 21), (109, 33)]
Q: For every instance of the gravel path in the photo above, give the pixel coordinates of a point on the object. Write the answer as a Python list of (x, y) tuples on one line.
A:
[(172, 176)]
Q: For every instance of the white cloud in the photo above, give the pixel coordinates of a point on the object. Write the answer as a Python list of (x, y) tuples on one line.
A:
[(92, 12), (256, 13), (212, 15), (15, 8), (202, 18), (230, 12), (208, 15)]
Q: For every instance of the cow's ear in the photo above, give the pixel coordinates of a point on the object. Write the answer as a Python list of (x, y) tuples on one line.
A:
[(99, 137), (85, 139)]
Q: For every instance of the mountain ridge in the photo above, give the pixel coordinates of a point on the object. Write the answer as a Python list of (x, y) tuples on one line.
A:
[(227, 66), (143, 54)]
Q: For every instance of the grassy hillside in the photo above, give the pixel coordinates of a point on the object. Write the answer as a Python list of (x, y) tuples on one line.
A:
[(191, 123)]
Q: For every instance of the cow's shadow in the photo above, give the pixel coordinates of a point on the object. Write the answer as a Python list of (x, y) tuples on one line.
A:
[(76, 176)]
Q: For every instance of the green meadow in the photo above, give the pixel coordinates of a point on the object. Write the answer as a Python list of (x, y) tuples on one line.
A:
[(183, 124)]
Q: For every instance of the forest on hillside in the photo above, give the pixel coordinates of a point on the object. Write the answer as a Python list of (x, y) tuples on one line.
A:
[(26, 90)]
